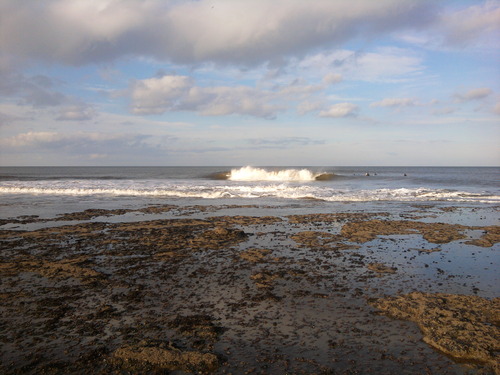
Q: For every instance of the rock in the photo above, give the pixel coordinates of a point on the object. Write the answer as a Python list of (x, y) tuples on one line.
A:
[(63, 269), (365, 231), (381, 268), (197, 326), (170, 359), (427, 251), (264, 279), (254, 255), (463, 327), (490, 237), (218, 238), (321, 240)]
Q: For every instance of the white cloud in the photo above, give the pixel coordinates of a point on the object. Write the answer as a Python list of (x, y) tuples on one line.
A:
[(474, 94), (50, 139), (395, 102), (496, 109), (223, 100), (283, 142), (387, 64), (157, 95), (71, 146), (30, 138), (6, 119), (475, 27), (82, 148), (76, 113), (444, 111), (242, 32), (308, 106), (332, 78), (340, 110), (180, 93), (297, 89), (175, 93), (37, 91), (468, 25)]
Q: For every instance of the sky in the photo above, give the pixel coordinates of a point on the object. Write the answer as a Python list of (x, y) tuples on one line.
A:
[(249, 82)]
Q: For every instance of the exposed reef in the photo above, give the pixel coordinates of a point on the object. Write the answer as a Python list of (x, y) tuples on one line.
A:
[(209, 292), (466, 328)]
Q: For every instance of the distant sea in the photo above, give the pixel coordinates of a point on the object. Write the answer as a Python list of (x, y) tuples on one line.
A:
[(23, 189)]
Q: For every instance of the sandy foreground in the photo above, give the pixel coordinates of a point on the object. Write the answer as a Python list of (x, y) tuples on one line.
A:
[(170, 289)]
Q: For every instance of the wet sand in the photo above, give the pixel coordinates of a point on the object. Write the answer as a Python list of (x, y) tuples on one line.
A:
[(197, 290)]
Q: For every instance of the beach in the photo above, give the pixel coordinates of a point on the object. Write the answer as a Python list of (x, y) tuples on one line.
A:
[(249, 187), (253, 288)]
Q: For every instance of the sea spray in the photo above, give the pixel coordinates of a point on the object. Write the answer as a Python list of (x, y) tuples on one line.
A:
[(283, 175)]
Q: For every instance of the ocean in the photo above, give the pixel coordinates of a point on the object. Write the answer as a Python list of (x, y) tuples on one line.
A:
[(52, 190)]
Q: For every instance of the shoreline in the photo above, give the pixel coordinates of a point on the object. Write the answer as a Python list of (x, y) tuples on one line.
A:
[(213, 289)]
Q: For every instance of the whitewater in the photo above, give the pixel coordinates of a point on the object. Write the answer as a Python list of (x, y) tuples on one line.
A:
[(283, 175), (257, 184)]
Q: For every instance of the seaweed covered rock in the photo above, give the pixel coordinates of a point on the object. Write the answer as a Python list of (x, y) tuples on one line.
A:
[(218, 238), (463, 327), (381, 268), (365, 231), (169, 359)]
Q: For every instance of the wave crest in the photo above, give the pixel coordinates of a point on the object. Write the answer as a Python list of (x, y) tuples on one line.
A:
[(260, 174)]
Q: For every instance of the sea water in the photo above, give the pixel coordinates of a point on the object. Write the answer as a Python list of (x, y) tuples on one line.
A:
[(38, 190)]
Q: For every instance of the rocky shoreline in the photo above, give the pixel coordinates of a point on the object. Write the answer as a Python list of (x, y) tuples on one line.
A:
[(313, 293)]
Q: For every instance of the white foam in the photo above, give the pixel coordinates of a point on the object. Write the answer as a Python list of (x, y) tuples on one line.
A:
[(114, 192), (259, 174), (297, 184), (251, 190)]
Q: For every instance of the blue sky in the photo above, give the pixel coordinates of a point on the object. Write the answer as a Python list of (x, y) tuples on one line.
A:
[(249, 82)]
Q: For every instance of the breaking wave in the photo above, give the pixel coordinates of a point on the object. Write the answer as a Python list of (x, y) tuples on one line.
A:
[(283, 175), (247, 191)]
